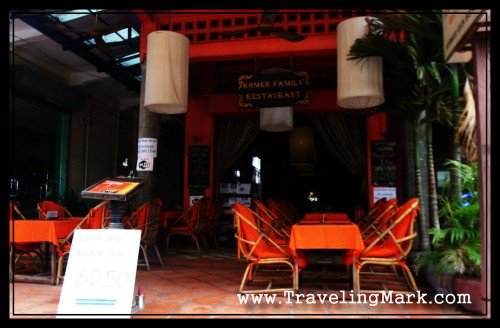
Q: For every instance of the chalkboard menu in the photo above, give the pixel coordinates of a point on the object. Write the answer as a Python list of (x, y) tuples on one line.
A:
[(199, 167), (384, 163)]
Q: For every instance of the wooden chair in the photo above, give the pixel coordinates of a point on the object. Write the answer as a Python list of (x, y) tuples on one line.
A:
[(270, 224), (190, 222), (280, 213), (372, 213), (389, 249), (148, 219), (261, 250), (99, 216), (209, 223), (45, 206), (381, 220), (95, 219), (26, 250)]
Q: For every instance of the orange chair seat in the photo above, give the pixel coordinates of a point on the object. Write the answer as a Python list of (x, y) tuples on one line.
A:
[(382, 251), (274, 253)]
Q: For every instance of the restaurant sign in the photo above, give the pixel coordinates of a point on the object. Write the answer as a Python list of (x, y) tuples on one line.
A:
[(281, 89)]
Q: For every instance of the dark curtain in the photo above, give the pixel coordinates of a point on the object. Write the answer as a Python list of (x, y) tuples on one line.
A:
[(343, 137), (233, 139)]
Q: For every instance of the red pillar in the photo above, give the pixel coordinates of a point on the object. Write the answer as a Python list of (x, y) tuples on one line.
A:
[(376, 129), (199, 131), (482, 78)]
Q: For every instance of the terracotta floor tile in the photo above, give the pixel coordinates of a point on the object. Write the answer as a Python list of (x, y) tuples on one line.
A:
[(209, 300), (161, 307), (194, 308)]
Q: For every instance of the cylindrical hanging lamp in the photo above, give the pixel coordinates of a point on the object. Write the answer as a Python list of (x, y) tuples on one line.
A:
[(167, 67), (359, 82), (276, 119)]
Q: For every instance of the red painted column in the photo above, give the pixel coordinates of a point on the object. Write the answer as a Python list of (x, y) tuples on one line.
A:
[(482, 78), (199, 131), (376, 129)]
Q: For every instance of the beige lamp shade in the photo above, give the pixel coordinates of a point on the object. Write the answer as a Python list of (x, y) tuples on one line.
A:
[(167, 69), (359, 82), (276, 119)]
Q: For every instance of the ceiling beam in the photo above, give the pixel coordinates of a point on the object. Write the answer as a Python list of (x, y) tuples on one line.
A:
[(130, 82)]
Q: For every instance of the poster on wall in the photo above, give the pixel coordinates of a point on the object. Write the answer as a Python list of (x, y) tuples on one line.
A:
[(384, 192), (384, 163), (147, 147)]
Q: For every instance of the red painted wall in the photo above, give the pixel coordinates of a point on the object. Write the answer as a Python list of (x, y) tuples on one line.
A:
[(199, 132)]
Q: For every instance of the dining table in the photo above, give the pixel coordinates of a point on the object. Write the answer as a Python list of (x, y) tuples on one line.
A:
[(319, 233), (49, 232)]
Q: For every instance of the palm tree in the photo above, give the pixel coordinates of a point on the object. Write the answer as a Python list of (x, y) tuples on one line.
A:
[(410, 44)]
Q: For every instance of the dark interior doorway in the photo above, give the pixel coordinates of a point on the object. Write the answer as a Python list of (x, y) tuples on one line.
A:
[(337, 189)]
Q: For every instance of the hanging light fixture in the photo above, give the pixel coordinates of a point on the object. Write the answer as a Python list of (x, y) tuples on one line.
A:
[(276, 119), (359, 82), (167, 67)]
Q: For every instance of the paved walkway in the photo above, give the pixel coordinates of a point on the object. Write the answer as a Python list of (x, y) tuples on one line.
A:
[(197, 287)]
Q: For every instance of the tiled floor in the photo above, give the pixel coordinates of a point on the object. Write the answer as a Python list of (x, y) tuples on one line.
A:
[(192, 286)]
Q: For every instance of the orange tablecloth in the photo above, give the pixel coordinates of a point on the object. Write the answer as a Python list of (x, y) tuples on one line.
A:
[(328, 217), (27, 231), (309, 235)]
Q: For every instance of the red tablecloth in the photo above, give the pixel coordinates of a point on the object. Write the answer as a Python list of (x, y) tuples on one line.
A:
[(329, 235), (28, 231)]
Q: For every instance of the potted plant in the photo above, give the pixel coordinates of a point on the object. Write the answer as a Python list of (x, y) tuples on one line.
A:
[(456, 247)]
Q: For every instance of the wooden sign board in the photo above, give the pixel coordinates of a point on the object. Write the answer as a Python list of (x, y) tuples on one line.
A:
[(101, 270), (281, 89), (384, 163), (457, 26)]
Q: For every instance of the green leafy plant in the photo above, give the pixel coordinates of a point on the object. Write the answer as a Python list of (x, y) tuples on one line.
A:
[(457, 245)]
